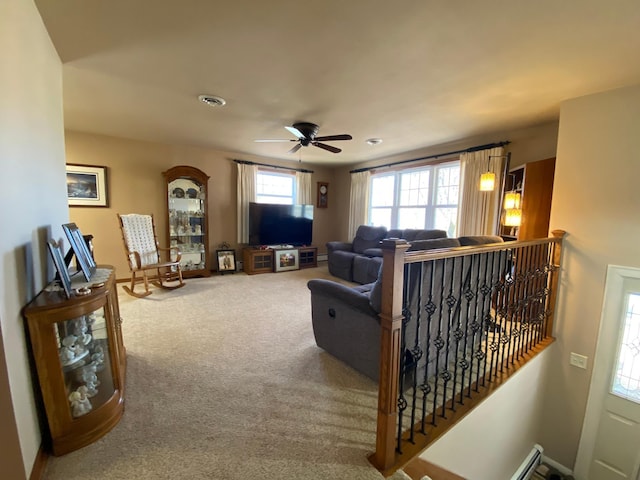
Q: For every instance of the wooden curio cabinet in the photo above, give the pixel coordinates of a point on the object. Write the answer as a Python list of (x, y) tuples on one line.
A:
[(80, 360), (187, 222)]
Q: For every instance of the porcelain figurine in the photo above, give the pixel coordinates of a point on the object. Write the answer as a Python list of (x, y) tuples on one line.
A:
[(79, 402)]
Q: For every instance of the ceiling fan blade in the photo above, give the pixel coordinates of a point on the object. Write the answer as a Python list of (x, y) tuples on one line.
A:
[(295, 131), (327, 147), (334, 137), (276, 140), (295, 148)]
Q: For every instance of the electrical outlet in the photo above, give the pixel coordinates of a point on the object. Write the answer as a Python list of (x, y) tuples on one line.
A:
[(577, 360)]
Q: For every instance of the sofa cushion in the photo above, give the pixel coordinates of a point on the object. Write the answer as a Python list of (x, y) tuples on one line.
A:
[(434, 243), (375, 295), (368, 237), (429, 234), (365, 269), (479, 240)]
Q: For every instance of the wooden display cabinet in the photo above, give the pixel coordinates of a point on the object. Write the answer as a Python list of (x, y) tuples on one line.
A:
[(80, 360), (187, 219), (257, 260), (308, 257)]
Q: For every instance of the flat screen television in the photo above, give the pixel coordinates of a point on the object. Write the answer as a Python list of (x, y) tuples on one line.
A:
[(273, 224)]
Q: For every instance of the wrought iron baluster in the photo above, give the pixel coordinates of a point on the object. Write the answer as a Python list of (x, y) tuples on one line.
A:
[(430, 308)]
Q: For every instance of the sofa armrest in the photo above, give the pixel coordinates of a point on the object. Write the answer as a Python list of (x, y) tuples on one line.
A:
[(335, 246), (343, 294)]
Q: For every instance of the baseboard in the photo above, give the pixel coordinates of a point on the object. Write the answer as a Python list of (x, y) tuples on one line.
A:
[(322, 257), (558, 466), (39, 464)]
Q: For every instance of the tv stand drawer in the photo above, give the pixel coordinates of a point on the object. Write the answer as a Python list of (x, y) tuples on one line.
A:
[(257, 260)]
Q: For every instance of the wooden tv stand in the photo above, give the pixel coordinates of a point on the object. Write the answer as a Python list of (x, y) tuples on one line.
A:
[(261, 260)]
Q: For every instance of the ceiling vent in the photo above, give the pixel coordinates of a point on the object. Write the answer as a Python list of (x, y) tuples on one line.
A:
[(212, 100)]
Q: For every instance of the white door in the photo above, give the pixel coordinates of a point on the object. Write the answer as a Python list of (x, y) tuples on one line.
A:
[(616, 446)]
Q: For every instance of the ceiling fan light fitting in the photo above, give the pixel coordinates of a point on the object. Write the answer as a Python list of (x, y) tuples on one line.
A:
[(212, 100)]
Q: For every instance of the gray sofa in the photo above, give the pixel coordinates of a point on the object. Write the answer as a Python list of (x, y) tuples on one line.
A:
[(346, 320), (359, 261)]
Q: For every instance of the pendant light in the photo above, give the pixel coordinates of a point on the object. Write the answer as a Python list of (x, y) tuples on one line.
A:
[(488, 179)]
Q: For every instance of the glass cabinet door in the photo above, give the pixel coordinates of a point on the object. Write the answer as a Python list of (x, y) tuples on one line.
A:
[(85, 359), (187, 222)]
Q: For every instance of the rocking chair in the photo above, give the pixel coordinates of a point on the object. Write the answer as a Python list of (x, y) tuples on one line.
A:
[(143, 254)]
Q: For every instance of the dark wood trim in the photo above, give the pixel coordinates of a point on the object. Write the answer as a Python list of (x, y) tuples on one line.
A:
[(39, 464)]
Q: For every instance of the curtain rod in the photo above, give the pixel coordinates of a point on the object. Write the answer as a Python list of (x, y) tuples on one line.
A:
[(466, 150), (246, 162)]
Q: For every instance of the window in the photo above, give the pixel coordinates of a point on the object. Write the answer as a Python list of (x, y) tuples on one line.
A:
[(425, 197), (626, 375), (273, 187)]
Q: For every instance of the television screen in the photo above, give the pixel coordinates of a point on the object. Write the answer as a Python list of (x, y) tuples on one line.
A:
[(273, 224), (79, 247)]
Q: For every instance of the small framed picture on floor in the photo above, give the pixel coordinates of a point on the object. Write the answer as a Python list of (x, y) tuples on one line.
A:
[(226, 261)]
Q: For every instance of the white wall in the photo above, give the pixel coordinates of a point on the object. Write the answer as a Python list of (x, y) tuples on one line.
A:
[(33, 199), (491, 442), (596, 199)]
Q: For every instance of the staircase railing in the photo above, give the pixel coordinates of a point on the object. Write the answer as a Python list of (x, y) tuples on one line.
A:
[(455, 325)]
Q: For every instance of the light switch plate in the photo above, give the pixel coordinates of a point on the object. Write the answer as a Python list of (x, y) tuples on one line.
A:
[(578, 360)]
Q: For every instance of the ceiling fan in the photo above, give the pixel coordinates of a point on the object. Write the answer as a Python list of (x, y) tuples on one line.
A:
[(306, 135)]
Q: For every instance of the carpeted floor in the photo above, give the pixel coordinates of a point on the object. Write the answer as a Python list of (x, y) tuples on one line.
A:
[(224, 381)]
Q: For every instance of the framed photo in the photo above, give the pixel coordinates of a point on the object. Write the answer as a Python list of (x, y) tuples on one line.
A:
[(226, 261), (87, 186), (84, 258), (61, 268), (286, 260)]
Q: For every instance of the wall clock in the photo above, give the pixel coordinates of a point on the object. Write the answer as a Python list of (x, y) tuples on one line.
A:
[(323, 191)]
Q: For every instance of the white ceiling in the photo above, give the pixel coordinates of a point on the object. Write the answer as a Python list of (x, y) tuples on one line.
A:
[(415, 73)]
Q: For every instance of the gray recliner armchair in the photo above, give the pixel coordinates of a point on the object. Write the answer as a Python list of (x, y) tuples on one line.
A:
[(340, 255)]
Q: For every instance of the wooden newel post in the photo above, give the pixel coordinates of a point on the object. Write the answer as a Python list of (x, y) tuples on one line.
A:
[(555, 274), (391, 323)]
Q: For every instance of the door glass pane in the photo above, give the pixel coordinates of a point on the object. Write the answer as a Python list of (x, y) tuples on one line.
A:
[(626, 377)]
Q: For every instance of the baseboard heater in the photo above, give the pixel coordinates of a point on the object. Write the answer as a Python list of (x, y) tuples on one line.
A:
[(322, 257), (529, 465)]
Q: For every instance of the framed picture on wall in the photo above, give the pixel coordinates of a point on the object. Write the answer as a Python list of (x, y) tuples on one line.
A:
[(87, 186)]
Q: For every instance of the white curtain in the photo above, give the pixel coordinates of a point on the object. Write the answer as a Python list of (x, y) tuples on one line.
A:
[(358, 201), (304, 193), (478, 212), (247, 175)]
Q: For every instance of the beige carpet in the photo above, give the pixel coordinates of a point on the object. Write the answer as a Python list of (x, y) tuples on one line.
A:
[(225, 381)]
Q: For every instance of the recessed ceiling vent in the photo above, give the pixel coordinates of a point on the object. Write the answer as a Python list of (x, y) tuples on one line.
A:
[(212, 100)]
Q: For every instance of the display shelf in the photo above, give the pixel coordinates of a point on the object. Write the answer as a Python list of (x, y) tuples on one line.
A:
[(80, 360), (187, 218)]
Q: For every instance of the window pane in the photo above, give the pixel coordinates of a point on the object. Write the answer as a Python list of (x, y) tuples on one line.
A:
[(411, 217), (274, 188), (626, 381), (414, 188), (382, 191), (380, 217), (446, 219), (448, 182)]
